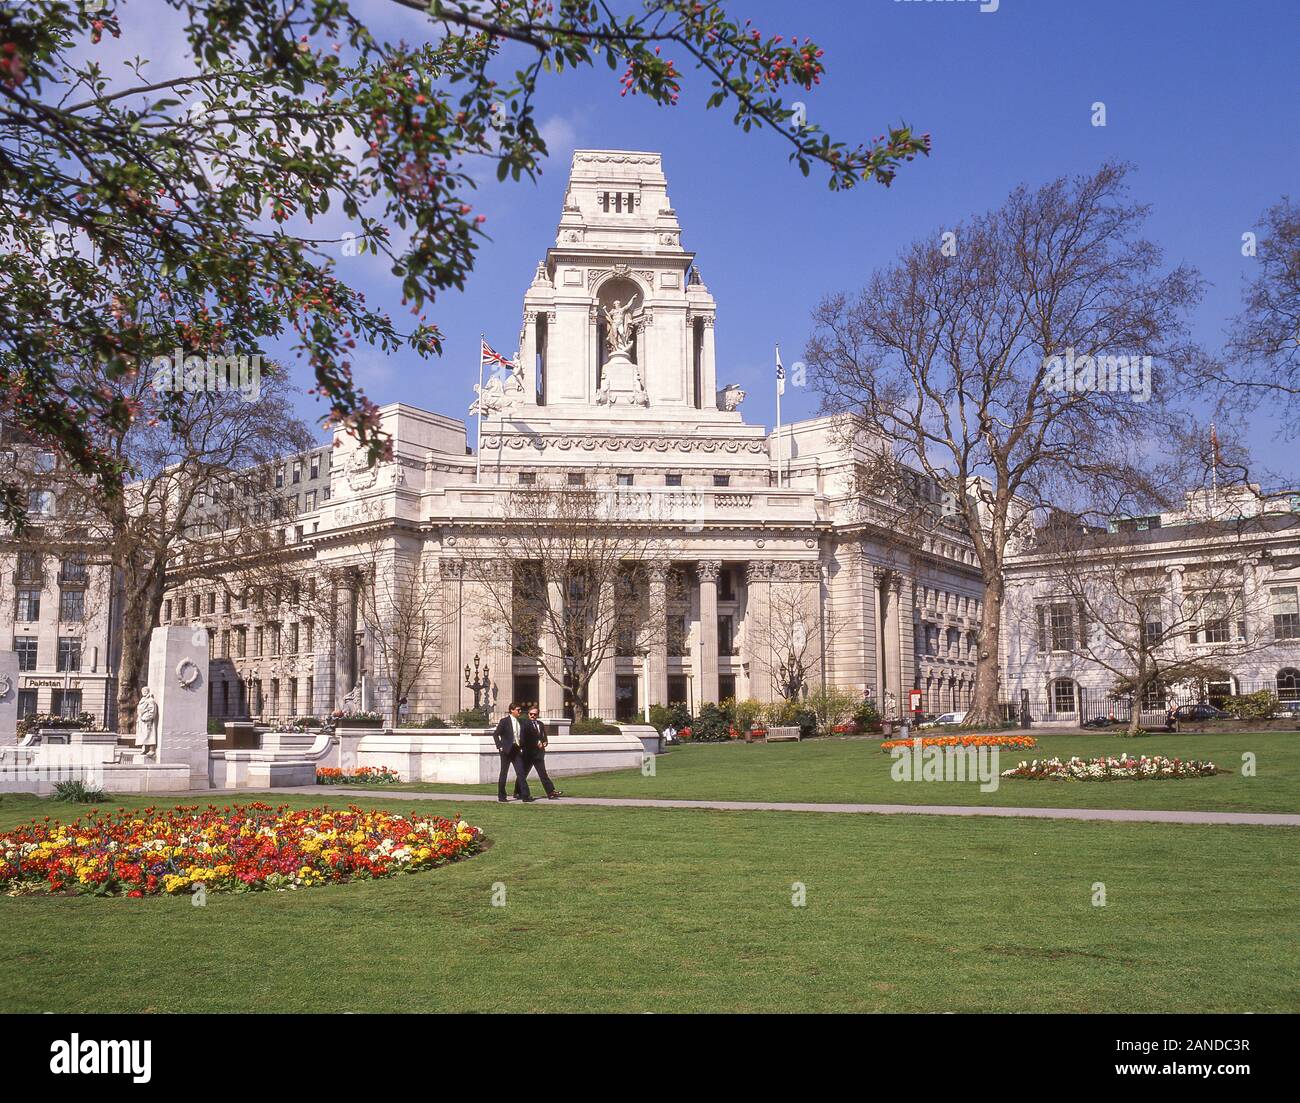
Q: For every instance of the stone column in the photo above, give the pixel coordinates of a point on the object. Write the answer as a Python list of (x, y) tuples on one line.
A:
[(451, 573), (1252, 612), (810, 583), (551, 703), (906, 599), (893, 658), (178, 679), (708, 665), (600, 691), (657, 689), (8, 698), (1180, 641), (758, 629), (500, 642)]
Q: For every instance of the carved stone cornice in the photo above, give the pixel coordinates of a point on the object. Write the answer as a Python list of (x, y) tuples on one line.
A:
[(519, 442), (759, 570), (658, 570), (451, 570)]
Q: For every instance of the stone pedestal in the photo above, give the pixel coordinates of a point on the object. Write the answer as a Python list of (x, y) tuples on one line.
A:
[(8, 697), (621, 383), (178, 677)]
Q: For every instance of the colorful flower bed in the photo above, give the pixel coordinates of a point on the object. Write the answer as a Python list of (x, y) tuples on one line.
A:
[(1122, 767), (237, 848), (332, 775), (1015, 742)]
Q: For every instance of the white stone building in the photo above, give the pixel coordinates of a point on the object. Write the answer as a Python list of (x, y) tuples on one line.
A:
[(616, 384)]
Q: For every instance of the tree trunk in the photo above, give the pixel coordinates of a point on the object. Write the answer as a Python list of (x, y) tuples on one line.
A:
[(142, 599), (985, 706)]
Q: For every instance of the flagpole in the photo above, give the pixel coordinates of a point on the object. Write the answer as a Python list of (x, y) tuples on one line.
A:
[(779, 463), (478, 450)]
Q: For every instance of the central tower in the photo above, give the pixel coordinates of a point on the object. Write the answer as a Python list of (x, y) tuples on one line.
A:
[(617, 322)]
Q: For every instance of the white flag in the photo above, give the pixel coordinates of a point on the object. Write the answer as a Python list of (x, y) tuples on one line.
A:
[(780, 373)]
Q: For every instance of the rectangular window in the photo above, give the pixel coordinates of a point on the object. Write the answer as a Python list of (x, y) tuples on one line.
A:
[(527, 478), (293, 696), (726, 584), (212, 602), (297, 471), (241, 643), (721, 480), (225, 643), (576, 478), (225, 602), (26, 648), (293, 639), (1286, 612), (1062, 622), (69, 653), (40, 503), (28, 608), (624, 480), (726, 687), (29, 567), (257, 643), (726, 635), (315, 466), (72, 606), (327, 494), (672, 480), (26, 702), (66, 703), (167, 611), (279, 478), (677, 638), (310, 501)]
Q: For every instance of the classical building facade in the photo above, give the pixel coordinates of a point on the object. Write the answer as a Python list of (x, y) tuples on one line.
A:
[(616, 385), (1223, 592)]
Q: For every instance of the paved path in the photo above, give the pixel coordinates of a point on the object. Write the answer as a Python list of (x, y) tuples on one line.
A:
[(1267, 819)]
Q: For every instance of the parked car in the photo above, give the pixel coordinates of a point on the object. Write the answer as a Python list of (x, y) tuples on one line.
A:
[(1200, 712), (1287, 710), (1099, 722), (946, 718)]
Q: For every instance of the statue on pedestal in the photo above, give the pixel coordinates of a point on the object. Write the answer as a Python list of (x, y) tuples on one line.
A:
[(620, 327), (146, 723)]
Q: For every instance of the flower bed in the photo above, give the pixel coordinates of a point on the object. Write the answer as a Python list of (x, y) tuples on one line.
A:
[(237, 848), (1122, 767), (342, 718), (332, 775), (1014, 742)]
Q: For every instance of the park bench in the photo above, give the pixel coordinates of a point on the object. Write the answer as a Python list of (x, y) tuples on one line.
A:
[(783, 735)]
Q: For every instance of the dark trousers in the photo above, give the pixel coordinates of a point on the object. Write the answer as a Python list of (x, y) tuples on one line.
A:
[(536, 760), (512, 754)]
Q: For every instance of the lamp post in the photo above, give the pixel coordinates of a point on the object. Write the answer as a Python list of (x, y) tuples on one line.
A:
[(480, 683)]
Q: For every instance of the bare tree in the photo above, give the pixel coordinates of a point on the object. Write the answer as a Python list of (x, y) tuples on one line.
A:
[(790, 636), (1264, 342), (1010, 359), (198, 491), (1106, 600), (570, 574)]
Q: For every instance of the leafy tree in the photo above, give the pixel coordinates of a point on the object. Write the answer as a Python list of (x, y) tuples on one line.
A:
[(181, 208)]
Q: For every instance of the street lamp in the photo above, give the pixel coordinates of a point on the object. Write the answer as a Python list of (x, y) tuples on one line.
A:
[(480, 683)]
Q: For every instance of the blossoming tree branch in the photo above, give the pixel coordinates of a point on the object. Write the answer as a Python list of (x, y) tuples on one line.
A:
[(181, 209)]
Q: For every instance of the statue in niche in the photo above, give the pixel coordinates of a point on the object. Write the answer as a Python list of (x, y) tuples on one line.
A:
[(620, 327)]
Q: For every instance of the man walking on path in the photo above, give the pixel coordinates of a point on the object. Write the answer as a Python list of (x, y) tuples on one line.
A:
[(535, 754), (509, 740)]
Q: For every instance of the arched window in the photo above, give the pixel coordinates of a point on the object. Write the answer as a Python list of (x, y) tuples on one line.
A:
[(1288, 684), (1063, 695)]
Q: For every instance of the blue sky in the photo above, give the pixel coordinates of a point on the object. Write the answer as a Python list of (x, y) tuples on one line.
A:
[(1201, 96)]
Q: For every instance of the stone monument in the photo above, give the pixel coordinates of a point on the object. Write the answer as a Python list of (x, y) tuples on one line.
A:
[(8, 697), (178, 683)]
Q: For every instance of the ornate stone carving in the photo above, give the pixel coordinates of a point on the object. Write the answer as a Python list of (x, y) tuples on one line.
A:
[(451, 569), (361, 474), (187, 673), (759, 570), (708, 569), (730, 397)]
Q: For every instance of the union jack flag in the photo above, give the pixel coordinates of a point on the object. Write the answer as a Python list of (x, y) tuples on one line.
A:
[(488, 355)]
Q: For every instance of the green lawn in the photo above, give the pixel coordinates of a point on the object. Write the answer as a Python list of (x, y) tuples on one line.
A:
[(856, 770), (615, 909)]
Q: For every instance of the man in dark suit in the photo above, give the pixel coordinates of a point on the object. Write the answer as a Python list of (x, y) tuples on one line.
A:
[(510, 746), (535, 754)]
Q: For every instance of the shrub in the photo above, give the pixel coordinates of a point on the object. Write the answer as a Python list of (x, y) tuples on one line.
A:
[(432, 722), (712, 725), (662, 715), (216, 727), (34, 721), (745, 714), (591, 725), (471, 718), (77, 792), (867, 718), (831, 706), (1253, 706)]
